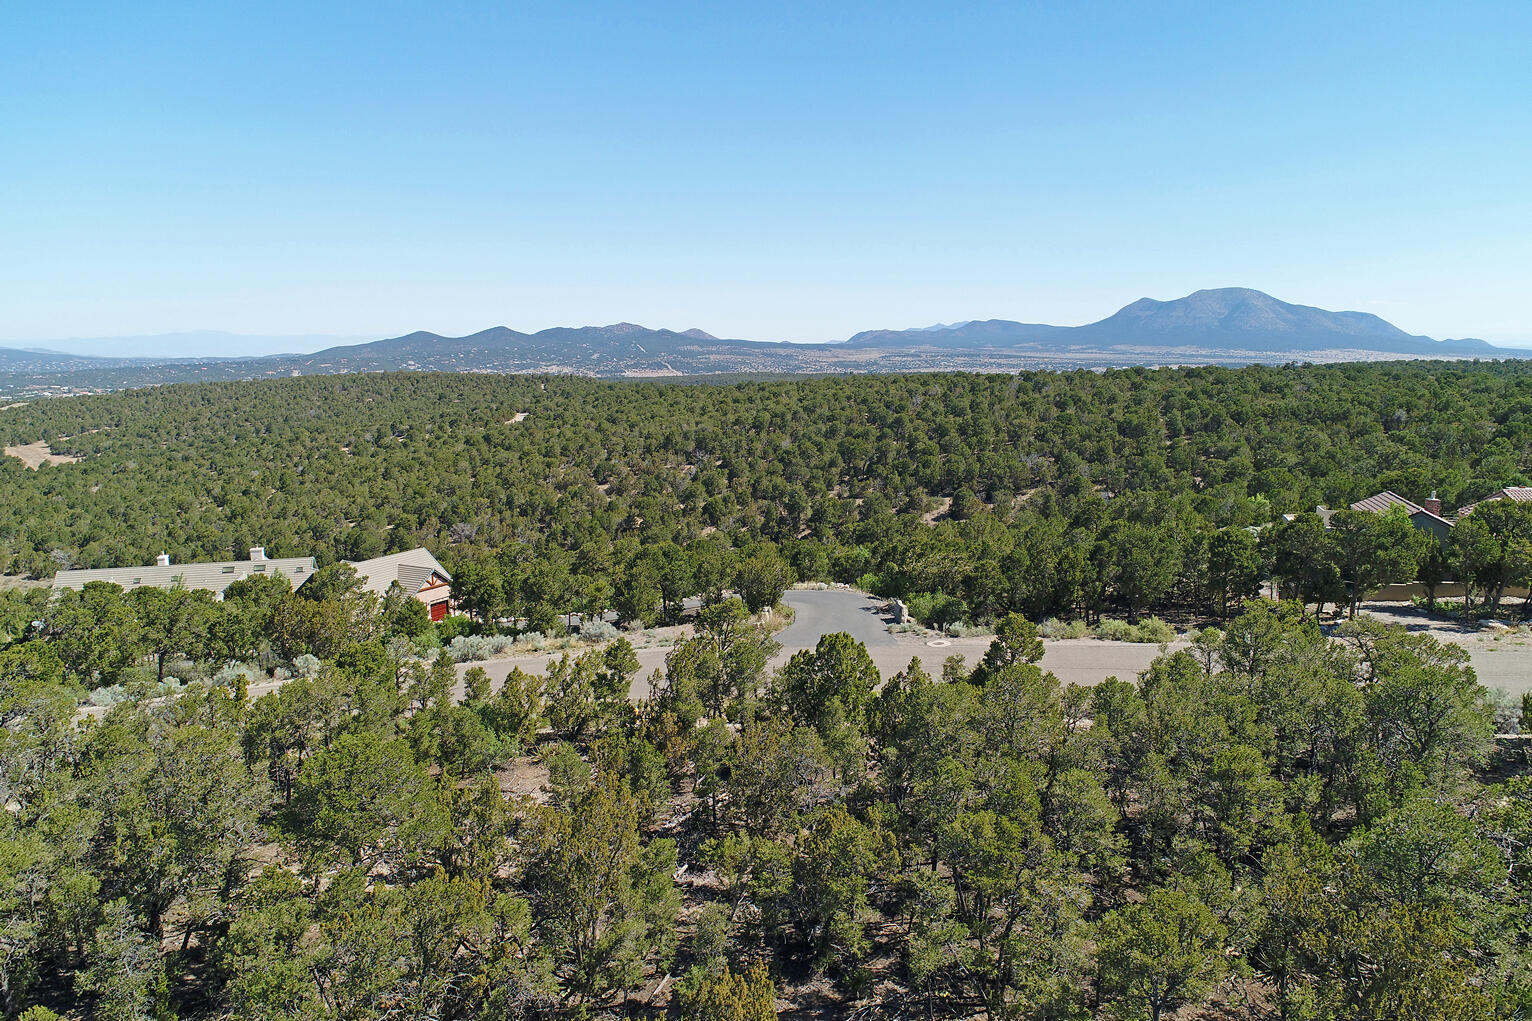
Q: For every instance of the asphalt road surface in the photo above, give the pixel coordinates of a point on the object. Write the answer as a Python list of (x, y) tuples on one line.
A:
[(816, 613), (1502, 660), (1505, 663), (823, 612), (819, 612)]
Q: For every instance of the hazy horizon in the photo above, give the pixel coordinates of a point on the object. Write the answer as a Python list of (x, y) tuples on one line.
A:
[(229, 344), (794, 174)]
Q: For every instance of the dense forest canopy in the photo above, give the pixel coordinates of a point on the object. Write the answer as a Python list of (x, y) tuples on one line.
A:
[(1271, 823), (295, 806), (297, 464), (1053, 494)]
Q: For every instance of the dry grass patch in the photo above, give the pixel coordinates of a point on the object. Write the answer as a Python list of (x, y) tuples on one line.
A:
[(35, 455), (524, 777)]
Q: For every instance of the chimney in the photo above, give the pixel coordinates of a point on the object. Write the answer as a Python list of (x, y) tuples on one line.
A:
[(163, 560), (1433, 505), (257, 552)]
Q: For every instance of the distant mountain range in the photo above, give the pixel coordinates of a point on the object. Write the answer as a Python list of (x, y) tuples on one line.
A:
[(1225, 321), (1231, 325)]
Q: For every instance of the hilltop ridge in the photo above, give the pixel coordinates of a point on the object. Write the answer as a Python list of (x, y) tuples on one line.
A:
[(1228, 325)]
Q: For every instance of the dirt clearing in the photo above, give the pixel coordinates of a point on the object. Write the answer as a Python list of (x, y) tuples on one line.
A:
[(35, 455)]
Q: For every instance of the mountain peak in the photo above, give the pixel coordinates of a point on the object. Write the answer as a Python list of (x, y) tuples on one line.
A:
[(1232, 294), (1213, 322), (1233, 313)]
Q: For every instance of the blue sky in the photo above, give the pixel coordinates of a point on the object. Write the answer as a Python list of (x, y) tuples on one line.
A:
[(775, 171)]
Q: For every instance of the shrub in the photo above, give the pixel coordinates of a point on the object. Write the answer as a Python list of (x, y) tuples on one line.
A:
[(1156, 631), (937, 609), (453, 626), (1055, 628), (726, 995), (878, 584), (237, 677), (1508, 710), (532, 641), (466, 648), (1152, 631), (231, 673), (183, 670), (38, 1013), (597, 631), (1115, 631), (111, 694)]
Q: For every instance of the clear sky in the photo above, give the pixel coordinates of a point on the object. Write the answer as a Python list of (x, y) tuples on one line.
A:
[(775, 171)]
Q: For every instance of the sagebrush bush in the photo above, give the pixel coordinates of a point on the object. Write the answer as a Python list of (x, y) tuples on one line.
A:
[(466, 648), (1152, 631), (598, 631), (230, 675), (1055, 628), (1115, 630)]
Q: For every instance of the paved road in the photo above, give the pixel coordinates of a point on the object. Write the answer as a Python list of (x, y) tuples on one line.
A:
[(1080, 661), (1501, 658), (820, 612), (823, 612), (816, 613), (1504, 663)]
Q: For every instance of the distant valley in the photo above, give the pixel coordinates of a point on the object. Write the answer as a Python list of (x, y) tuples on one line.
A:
[(1229, 326)]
